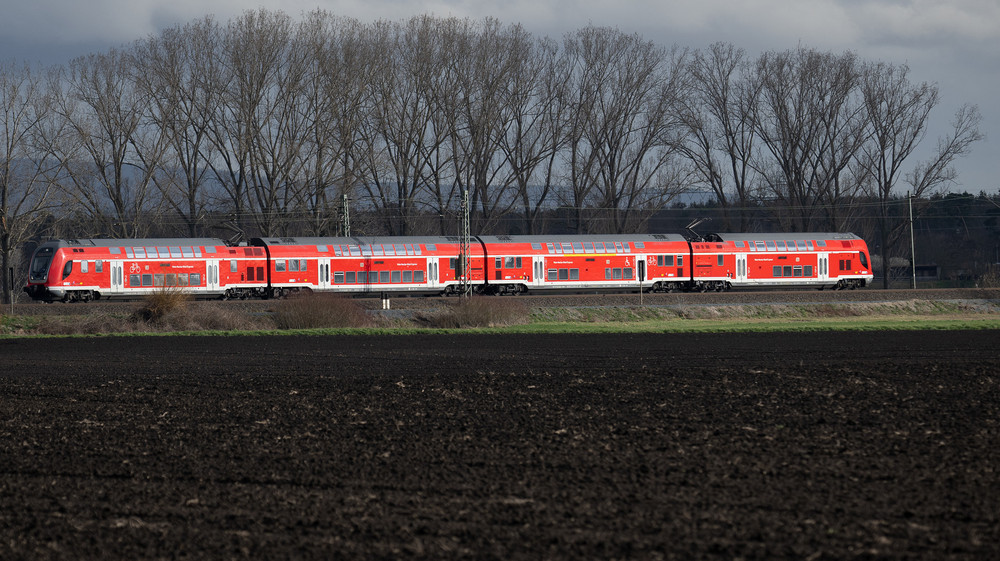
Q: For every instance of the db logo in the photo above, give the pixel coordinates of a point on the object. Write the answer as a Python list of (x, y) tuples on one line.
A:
[(134, 268)]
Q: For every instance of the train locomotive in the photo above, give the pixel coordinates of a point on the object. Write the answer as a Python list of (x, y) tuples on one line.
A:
[(82, 270)]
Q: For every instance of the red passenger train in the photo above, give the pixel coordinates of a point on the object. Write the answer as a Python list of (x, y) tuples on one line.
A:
[(92, 269)]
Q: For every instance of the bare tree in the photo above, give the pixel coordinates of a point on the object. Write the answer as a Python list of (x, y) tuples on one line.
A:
[(172, 72), (625, 138), (259, 128), (721, 138), (485, 59), (536, 99), (897, 114), (111, 154), (811, 124), (343, 57), (24, 169)]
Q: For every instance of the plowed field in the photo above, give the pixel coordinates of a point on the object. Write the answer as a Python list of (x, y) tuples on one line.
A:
[(753, 446)]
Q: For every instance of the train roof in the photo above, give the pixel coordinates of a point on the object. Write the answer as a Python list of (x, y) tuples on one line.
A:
[(796, 236), (564, 238), (137, 242), (560, 238)]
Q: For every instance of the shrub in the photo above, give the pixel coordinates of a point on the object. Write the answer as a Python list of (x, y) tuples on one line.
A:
[(160, 303), (991, 278), (483, 311), (311, 311)]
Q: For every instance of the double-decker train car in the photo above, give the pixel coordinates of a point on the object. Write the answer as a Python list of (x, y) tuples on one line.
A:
[(820, 260), (90, 269)]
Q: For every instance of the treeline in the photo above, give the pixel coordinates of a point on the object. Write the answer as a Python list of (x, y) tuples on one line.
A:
[(267, 125)]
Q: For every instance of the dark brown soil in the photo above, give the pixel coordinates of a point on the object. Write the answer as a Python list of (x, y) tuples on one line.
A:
[(752, 446)]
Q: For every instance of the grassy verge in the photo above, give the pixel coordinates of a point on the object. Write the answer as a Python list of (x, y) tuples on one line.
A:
[(319, 315)]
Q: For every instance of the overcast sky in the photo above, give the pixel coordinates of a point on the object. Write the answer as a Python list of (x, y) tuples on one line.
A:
[(955, 43)]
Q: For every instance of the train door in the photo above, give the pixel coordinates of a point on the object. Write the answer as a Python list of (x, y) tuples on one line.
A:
[(212, 275), (538, 271), (117, 277), (823, 266), (741, 267), (433, 275), (323, 282), (640, 266)]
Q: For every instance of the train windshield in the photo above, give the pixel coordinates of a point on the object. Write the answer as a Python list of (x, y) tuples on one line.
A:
[(864, 260), (40, 265)]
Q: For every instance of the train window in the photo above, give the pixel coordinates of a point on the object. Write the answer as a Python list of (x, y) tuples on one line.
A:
[(170, 279), (619, 247), (607, 274), (84, 266), (499, 263), (668, 261), (680, 260), (574, 274), (629, 272), (195, 279), (383, 276), (798, 270), (407, 276), (659, 260), (98, 266), (362, 277), (519, 262), (377, 250), (563, 274), (821, 243), (338, 277), (588, 247), (133, 280), (336, 251), (157, 279), (770, 246), (809, 245), (616, 273), (512, 263), (147, 280), (68, 269), (129, 253), (162, 251), (355, 251), (293, 265), (418, 276), (431, 247), (250, 275), (787, 271), (279, 266), (536, 246), (567, 247), (721, 260), (550, 247), (186, 251), (864, 259), (777, 271), (739, 244), (366, 250), (808, 270), (453, 263), (394, 277), (321, 248), (551, 274), (351, 277), (780, 245)]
